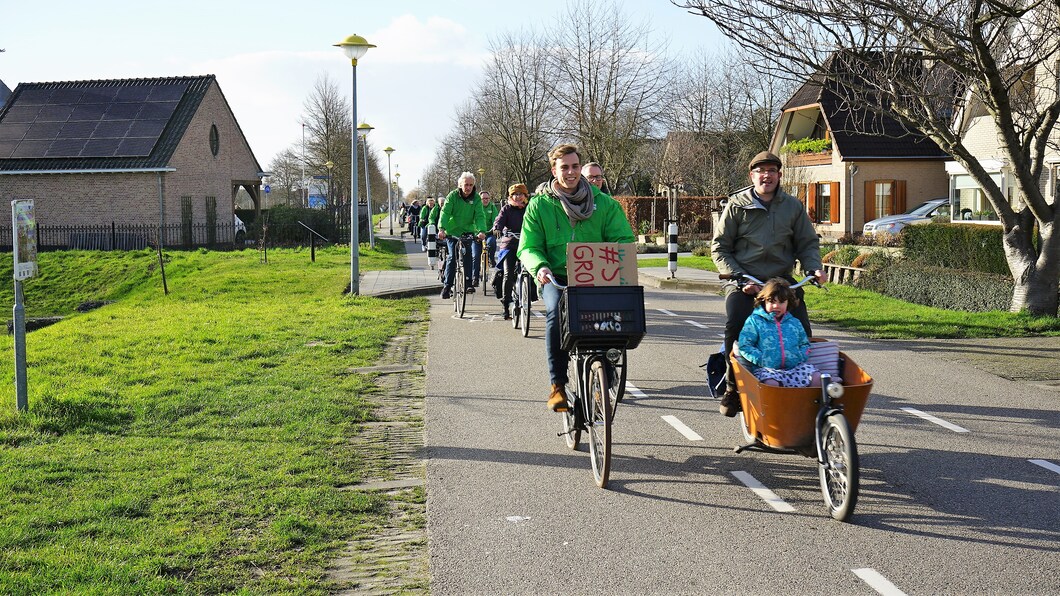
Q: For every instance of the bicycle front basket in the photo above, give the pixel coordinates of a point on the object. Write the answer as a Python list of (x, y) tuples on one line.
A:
[(602, 317)]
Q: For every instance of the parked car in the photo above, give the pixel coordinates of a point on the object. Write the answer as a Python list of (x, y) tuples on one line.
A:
[(921, 214), (241, 231)]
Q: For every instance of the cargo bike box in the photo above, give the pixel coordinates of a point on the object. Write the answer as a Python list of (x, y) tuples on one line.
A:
[(602, 316)]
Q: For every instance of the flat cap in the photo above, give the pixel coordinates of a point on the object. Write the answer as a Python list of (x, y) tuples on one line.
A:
[(764, 157)]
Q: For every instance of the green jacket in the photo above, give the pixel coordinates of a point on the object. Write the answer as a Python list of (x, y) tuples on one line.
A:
[(765, 242), (460, 215), (429, 216), (490, 211), (546, 230)]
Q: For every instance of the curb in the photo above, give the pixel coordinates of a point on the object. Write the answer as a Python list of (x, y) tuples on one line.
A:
[(409, 292), (680, 284)]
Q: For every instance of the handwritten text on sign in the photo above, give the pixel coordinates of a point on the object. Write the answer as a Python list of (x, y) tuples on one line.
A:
[(602, 264)]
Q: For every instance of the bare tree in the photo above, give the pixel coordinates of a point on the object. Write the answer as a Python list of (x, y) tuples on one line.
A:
[(327, 120), (936, 66), (286, 176), (608, 75)]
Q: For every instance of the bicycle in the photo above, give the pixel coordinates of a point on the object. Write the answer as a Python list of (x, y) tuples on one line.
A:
[(598, 325), (443, 254), (460, 290), (816, 422)]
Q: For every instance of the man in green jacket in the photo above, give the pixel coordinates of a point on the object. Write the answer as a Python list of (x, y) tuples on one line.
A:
[(761, 232), (567, 209), (461, 214), (428, 215)]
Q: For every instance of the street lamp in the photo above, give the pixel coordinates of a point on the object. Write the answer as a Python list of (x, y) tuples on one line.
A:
[(362, 131), (354, 47), (481, 178), (329, 165), (389, 189)]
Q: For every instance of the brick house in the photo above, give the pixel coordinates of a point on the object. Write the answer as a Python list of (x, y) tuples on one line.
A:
[(858, 177), (161, 153)]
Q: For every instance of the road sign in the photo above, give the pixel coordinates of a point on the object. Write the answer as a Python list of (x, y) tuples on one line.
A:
[(267, 189)]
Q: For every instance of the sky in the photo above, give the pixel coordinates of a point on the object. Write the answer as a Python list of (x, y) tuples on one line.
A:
[(268, 55)]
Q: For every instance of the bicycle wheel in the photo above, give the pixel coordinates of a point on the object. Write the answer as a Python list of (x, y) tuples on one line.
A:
[(517, 307), (599, 413), (485, 267), (459, 291), (524, 307), (572, 428), (839, 470), (617, 379)]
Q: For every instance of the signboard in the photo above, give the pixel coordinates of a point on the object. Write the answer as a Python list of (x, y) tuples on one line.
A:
[(24, 231), (602, 264), (267, 189)]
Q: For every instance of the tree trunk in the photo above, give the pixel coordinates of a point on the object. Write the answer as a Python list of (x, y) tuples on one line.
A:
[(1036, 274)]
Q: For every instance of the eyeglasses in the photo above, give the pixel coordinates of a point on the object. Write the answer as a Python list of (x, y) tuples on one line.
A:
[(519, 194), (596, 177), (765, 171)]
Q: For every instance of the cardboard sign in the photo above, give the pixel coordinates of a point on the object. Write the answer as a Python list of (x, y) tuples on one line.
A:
[(602, 264)]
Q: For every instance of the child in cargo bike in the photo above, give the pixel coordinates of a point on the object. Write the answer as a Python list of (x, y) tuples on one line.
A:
[(774, 342)]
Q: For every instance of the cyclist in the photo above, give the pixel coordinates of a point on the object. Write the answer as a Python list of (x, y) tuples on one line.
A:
[(489, 210), (428, 215), (413, 217), (762, 232), (569, 210), (510, 219), (461, 214)]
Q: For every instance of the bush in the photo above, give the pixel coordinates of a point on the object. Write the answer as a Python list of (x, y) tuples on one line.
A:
[(829, 257), (957, 246), (807, 145), (845, 255), (940, 287)]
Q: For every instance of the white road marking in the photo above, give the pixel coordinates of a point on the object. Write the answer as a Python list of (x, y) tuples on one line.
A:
[(682, 428), (1045, 464), (632, 390), (537, 314), (764, 493), (938, 421), (666, 312), (878, 582), (696, 324)]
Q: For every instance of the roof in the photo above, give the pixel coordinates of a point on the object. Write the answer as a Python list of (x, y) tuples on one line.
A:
[(5, 92), (98, 125), (887, 139)]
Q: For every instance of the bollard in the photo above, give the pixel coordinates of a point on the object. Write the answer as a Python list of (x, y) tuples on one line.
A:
[(672, 249), (432, 245)]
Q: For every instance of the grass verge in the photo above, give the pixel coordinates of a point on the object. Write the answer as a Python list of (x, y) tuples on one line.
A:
[(194, 442)]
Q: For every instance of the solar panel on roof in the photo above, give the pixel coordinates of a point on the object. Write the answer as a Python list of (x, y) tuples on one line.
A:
[(90, 121), (100, 148), (88, 111), (44, 130), (6, 147), (66, 148), (136, 146)]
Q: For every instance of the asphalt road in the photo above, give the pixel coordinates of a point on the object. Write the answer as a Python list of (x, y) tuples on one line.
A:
[(967, 502)]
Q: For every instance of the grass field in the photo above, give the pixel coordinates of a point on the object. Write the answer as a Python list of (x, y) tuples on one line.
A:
[(190, 443)]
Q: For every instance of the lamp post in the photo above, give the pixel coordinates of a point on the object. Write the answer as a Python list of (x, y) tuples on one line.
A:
[(329, 165), (481, 178), (389, 189), (354, 47), (362, 131)]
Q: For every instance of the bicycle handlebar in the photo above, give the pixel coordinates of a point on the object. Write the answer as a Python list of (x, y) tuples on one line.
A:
[(743, 279), (552, 280)]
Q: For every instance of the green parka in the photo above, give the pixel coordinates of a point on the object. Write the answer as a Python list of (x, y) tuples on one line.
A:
[(762, 242), (459, 215), (546, 229), (430, 216), (490, 211)]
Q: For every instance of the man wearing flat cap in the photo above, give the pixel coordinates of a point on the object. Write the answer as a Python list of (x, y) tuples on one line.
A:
[(762, 232)]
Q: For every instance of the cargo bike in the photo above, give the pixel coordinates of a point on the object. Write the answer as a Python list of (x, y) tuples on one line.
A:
[(597, 325), (817, 422)]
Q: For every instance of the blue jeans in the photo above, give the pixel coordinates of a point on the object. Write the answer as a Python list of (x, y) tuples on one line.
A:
[(557, 357), (450, 263), (476, 254)]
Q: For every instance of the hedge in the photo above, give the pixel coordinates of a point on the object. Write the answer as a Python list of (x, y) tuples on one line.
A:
[(941, 287), (957, 246)]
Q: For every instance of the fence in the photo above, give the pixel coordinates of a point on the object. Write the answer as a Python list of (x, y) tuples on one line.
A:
[(694, 214), (220, 236)]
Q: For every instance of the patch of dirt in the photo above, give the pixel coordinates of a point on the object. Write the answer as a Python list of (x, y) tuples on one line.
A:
[(392, 557)]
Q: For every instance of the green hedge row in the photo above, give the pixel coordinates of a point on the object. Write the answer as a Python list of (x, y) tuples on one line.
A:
[(958, 246), (941, 287)]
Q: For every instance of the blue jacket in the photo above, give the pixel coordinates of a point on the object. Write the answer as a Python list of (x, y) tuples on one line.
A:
[(766, 342)]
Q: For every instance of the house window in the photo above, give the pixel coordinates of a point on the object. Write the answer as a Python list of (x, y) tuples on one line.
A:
[(969, 201), (883, 198), (824, 202), (215, 140)]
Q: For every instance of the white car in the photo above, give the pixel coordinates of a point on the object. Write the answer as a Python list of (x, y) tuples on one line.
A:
[(921, 214)]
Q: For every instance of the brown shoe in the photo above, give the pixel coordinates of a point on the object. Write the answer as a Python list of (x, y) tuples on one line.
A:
[(557, 400), (730, 404)]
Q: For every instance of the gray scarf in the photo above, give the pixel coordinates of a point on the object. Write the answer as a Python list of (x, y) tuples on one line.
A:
[(578, 205)]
